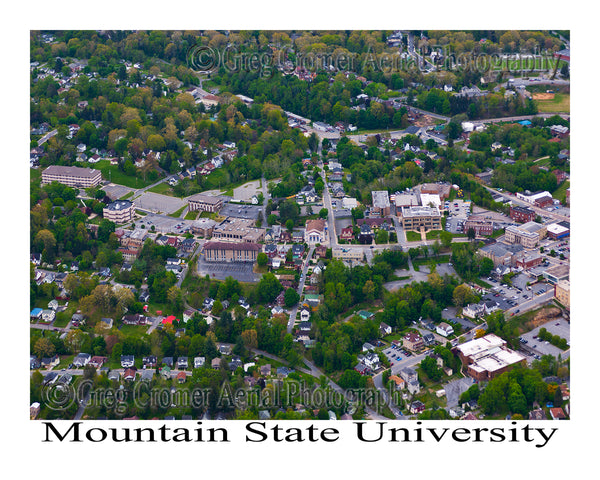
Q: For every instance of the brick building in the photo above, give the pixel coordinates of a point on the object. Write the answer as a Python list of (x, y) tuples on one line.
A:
[(522, 214)]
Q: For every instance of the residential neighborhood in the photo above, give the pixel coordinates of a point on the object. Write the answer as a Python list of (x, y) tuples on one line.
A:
[(341, 229)]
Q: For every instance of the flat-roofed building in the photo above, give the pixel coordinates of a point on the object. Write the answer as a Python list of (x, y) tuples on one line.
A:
[(203, 227), (381, 203), (205, 203), (556, 274), (119, 211), (528, 260), (562, 293), (72, 176), (557, 231), (522, 214), (238, 230), (487, 357), (348, 254), (528, 234), (480, 226), (539, 199), (415, 218), (230, 252), (441, 189), (401, 200)]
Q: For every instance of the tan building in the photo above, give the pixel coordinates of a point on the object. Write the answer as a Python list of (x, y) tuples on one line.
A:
[(315, 231), (348, 254), (230, 252), (528, 234), (72, 176), (205, 203), (238, 230), (562, 293), (413, 342), (119, 211), (415, 218), (203, 227)]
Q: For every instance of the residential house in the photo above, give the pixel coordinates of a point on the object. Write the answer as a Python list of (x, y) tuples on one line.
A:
[(82, 359), (199, 362), (150, 361), (182, 362), (127, 361), (384, 329), (129, 374), (444, 329), (413, 342)]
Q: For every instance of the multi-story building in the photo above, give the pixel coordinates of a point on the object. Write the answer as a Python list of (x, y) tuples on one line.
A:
[(441, 189), (528, 234), (381, 203), (413, 341), (119, 211), (204, 227), (522, 214), (315, 231), (539, 199), (562, 293), (238, 230), (556, 274), (72, 176), (487, 357), (479, 226), (205, 203), (348, 254), (230, 252), (415, 218)]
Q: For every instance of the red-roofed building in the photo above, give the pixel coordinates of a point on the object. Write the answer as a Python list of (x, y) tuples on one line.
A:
[(557, 413), (170, 319)]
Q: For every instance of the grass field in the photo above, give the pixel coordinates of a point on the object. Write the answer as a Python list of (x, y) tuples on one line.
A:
[(413, 236), (162, 188), (560, 103), (112, 173), (561, 192)]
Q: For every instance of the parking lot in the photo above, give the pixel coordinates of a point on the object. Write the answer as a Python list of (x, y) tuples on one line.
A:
[(155, 202), (512, 296), (164, 224), (241, 272), (531, 343), (395, 354), (115, 191)]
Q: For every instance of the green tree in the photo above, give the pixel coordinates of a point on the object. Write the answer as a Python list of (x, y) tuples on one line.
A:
[(290, 297)]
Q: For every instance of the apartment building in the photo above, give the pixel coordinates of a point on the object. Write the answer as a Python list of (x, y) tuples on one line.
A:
[(72, 176)]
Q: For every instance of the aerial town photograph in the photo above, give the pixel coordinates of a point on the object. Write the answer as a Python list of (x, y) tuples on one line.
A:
[(299, 225)]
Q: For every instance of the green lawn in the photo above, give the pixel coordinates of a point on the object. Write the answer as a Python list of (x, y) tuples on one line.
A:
[(413, 236), (191, 215), (178, 213), (560, 103), (112, 173), (561, 192), (162, 188)]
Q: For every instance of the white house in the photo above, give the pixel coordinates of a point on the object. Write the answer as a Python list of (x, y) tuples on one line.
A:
[(444, 329)]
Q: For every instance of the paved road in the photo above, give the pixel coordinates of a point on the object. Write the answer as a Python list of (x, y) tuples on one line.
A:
[(540, 211), (294, 310)]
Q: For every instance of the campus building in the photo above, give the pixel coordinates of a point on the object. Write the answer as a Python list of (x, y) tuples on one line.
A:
[(522, 214), (72, 176), (238, 230), (487, 357), (415, 218), (205, 203), (119, 211), (230, 252), (381, 203), (480, 227), (528, 234)]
